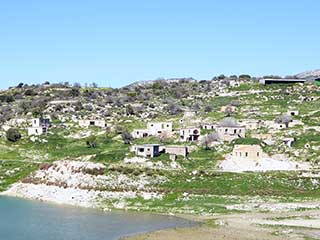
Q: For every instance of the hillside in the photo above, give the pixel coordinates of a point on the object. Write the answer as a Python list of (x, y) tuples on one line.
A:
[(58, 163)]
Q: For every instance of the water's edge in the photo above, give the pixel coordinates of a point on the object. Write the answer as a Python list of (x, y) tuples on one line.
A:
[(98, 224)]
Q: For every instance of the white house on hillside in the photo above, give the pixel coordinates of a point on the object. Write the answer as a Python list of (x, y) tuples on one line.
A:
[(189, 134), (154, 129), (147, 150), (229, 130), (251, 152), (92, 122), (39, 126)]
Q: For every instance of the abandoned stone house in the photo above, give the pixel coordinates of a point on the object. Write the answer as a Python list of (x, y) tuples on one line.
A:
[(251, 152), (234, 83), (154, 129), (208, 126), (39, 126), (293, 112), (140, 133), (189, 117), (252, 124), (262, 136), (147, 150), (229, 129), (175, 151), (92, 122), (190, 114), (189, 134), (288, 141)]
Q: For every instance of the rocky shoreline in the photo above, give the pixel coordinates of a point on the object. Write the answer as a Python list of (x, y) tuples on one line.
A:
[(80, 184)]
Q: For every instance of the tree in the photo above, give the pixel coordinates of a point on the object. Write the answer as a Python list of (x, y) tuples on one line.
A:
[(129, 110), (75, 92), (208, 139), (244, 76), (20, 85), (174, 109), (208, 109), (94, 85), (77, 85), (285, 119), (13, 135), (235, 103), (30, 92), (222, 76), (91, 142), (228, 111), (126, 137)]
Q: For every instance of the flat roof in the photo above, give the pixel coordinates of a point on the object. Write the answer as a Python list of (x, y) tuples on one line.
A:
[(148, 145), (282, 80)]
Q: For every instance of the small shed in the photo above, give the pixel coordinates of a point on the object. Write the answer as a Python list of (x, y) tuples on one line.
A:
[(147, 150), (175, 151)]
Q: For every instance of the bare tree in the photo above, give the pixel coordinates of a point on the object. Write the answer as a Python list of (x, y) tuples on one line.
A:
[(285, 119), (126, 137), (208, 139)]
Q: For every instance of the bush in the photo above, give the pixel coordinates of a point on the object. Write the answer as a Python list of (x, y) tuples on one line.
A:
[(126, 137), (13, 135), (92, 142), (30, 92)]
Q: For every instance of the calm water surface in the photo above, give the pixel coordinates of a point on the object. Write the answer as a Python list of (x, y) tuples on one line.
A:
[(30, 220)]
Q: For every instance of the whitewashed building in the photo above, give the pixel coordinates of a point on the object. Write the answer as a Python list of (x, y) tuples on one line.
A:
[(154, 129), (252, 124), (189, 134), (92, 122), (229, 129), (147, 150), (175, 151), (251, 152), (39, 126)]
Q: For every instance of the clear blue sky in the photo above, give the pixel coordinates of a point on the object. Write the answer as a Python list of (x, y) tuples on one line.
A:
[(115, 43)]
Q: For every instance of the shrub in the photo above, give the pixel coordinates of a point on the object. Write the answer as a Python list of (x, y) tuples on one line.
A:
[(91, 142), (13, 135), (126, 137)]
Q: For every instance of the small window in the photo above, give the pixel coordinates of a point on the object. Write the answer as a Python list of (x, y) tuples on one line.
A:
[(258, 154), (246, 154)]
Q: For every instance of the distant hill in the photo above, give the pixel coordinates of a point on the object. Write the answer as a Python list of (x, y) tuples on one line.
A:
[(150, 82), (309, 74)]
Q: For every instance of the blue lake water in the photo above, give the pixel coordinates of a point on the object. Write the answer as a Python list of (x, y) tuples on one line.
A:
[(31, 220)]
